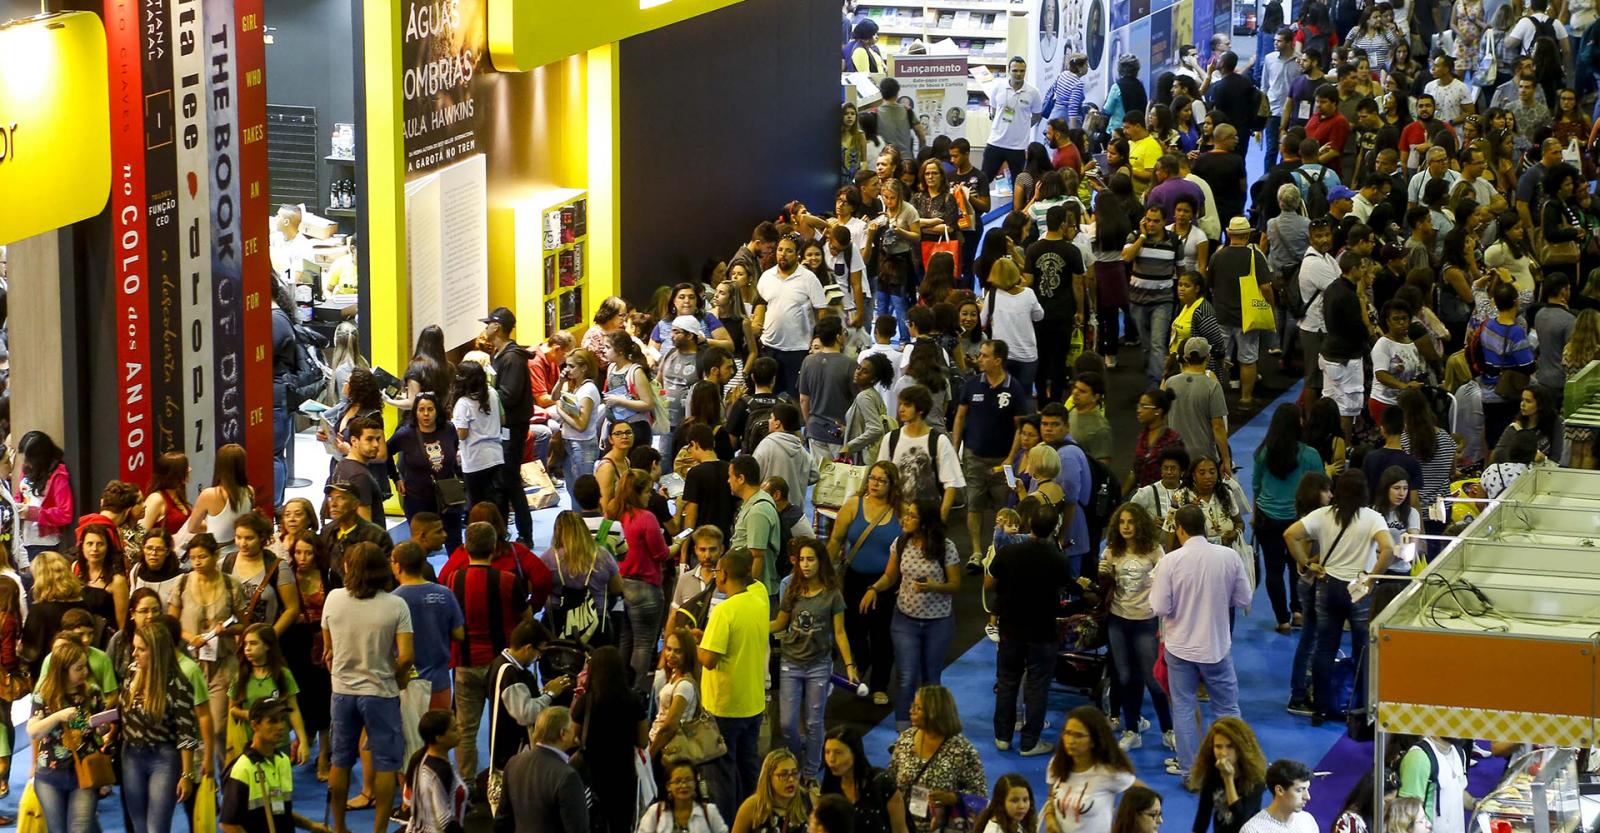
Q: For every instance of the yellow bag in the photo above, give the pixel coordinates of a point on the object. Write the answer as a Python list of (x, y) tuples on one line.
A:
[(205, 804), (238, 739), (30, 815), (1255, 311)]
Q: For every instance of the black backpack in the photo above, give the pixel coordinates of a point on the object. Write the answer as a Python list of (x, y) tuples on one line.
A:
[(755, 422), (1316, 192), (1543, 28), (1105, 494), (933, 455)]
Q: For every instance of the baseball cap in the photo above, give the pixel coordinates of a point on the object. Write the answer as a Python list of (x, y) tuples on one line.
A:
[(1340, 192), (690, 325), (502, 316), (1196, 348), (268, 707), (340, 486)]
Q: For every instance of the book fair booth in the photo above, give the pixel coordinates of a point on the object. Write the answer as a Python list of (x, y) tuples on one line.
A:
[(1499, 640)]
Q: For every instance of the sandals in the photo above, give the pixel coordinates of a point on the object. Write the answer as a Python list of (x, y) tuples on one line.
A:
[(352, 805)]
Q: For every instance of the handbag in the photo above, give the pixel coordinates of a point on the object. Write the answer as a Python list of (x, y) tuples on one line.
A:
[(495, 788), (238, 739), (1555, 254), (30, 814), (862, 538), (698, 740), (450, 493), (943, 244), (1256, 314), (838, 483), (536, 478), (15, 684), (94, 770), (205, 804)]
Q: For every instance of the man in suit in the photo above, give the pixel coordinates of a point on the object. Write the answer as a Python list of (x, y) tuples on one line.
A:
[(543, 793)]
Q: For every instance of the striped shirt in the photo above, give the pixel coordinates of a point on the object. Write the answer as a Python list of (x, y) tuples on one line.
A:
[(1155, 268), (1436, 470), (1066, 98)]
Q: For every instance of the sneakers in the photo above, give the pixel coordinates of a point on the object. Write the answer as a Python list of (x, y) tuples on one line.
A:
[(1172, 768), (880, 698), (975, 564), (1170, 740), (1002, 745), (1130, 740), (1300, 706), (1144, 725), (1038, 748), (992, 631)]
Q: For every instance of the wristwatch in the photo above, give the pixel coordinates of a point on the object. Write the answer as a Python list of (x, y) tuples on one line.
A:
[(192, 777)]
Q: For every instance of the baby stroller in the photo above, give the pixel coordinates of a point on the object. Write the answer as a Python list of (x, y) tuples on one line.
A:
[(1083, 665)]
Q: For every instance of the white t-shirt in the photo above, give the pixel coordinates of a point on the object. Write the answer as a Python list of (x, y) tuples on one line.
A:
[(1403, 361), (1189, 258), (1317, 273), (1524, 32), (1013, 114), (1448, 98), (1086, 801), (1013, 321), (840, 266), (683, 688), (590, 391), (1263, 822), (789, 307), (916, 467), (481, 449), (1356, 553), (363, 633)]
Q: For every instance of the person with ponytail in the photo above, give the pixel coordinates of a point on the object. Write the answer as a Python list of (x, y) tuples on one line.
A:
[(438, 795)]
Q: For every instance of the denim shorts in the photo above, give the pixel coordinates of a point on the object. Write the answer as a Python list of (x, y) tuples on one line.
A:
[(380, 716)]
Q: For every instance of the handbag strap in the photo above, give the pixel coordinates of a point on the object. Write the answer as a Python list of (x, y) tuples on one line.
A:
[(494, 719), (861, 506), (268, 575)]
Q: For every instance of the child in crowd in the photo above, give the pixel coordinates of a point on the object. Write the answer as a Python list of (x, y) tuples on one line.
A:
[(1007, 530), (1010, 808)]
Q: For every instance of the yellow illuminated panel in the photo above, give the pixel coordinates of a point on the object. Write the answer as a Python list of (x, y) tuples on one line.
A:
[(55, 123), (524, 34)]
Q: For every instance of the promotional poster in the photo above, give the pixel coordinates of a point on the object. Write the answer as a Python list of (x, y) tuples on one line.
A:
[(1104, 30), (442, 47)]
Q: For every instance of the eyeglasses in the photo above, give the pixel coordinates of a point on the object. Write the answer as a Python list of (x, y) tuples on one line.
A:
[(1071, 734), (681, 782), (1151, 814), (787, 774), (877, 478), (622, 432)]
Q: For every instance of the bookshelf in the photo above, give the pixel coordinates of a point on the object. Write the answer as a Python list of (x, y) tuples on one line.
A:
[(552, 233), (978, 27)]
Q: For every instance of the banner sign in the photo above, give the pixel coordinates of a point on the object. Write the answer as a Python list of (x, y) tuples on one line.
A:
[(257, 265), (227, 283), (161, 235), (937, 85), (441, 50), (194, 236), (130, 271)]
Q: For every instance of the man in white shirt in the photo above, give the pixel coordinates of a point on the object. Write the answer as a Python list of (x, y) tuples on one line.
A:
[(793, 295), (1452, 98), (1318, 269), (1290, 783), (1278, 71), (1438, 167), (1532, 25), (1374, 191), (1015, 106), (1194, 588)]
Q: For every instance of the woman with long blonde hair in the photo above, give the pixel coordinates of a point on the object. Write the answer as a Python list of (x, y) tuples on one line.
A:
[(159, 730), (1405, 815), (581, 568), (778, 803), (55, 591)]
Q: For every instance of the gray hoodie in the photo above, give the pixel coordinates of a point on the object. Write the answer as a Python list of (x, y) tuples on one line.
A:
[(784, 455)]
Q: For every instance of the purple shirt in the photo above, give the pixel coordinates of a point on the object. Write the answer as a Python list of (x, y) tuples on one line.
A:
[(1166, 193), (1193, 587)]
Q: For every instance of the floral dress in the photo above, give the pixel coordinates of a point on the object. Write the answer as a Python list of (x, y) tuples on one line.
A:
[(1469, 24)]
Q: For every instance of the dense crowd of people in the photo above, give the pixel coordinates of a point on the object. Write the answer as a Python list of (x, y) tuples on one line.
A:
[(767, 470)]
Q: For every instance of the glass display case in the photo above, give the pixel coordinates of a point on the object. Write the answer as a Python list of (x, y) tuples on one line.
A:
[(1539, 794)]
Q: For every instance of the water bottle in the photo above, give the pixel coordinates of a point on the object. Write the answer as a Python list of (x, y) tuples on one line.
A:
[(843, 682)]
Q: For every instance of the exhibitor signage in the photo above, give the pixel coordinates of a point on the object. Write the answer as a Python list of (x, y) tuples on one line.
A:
[(442, 47)]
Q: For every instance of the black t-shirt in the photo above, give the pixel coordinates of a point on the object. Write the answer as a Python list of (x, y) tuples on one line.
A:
[(367, 486), (975, 181), (1380, 459), (1235, 96), (1225, 172), (1357, 155), (1052, 263), (1228, 265), (1029, 577), (706, 486)]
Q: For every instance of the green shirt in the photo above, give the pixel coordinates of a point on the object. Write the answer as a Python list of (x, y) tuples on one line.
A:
[(757, 527), (257, 688), (100, 671), (197, 679)]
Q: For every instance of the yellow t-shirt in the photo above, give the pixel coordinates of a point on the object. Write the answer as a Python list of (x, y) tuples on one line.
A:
[(737, 629), (1142, 156)]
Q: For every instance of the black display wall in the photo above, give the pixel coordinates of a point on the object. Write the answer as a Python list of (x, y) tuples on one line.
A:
[(311, 60), (725, 117)]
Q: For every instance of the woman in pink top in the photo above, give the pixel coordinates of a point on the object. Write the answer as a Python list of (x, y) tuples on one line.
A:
[(641, 575), (44, 495)]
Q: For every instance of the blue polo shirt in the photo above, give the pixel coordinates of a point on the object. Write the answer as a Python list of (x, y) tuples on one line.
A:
[(992, 414)]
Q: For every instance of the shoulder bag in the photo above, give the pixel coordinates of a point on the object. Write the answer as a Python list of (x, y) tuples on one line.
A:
[(698, 740), (495, 783), (861, 506), (1256, 314)]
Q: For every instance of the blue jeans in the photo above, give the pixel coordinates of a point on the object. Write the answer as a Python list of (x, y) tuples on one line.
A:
[(1024, 667), (919, 649), (67, 809), (641, 601), (581, 456), (282, 435), (149, 785), (894, 303), (1300, 673), (803, 693), (1334, 608), (1185, 678), (541, 440), (1272, 137), (1133, 656), (1025, 371), (1154, 325), (738, 771)]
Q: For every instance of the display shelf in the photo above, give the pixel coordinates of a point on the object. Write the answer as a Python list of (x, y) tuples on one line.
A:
[(980, 26), (552, 259), (339, 160), (340, 212)]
